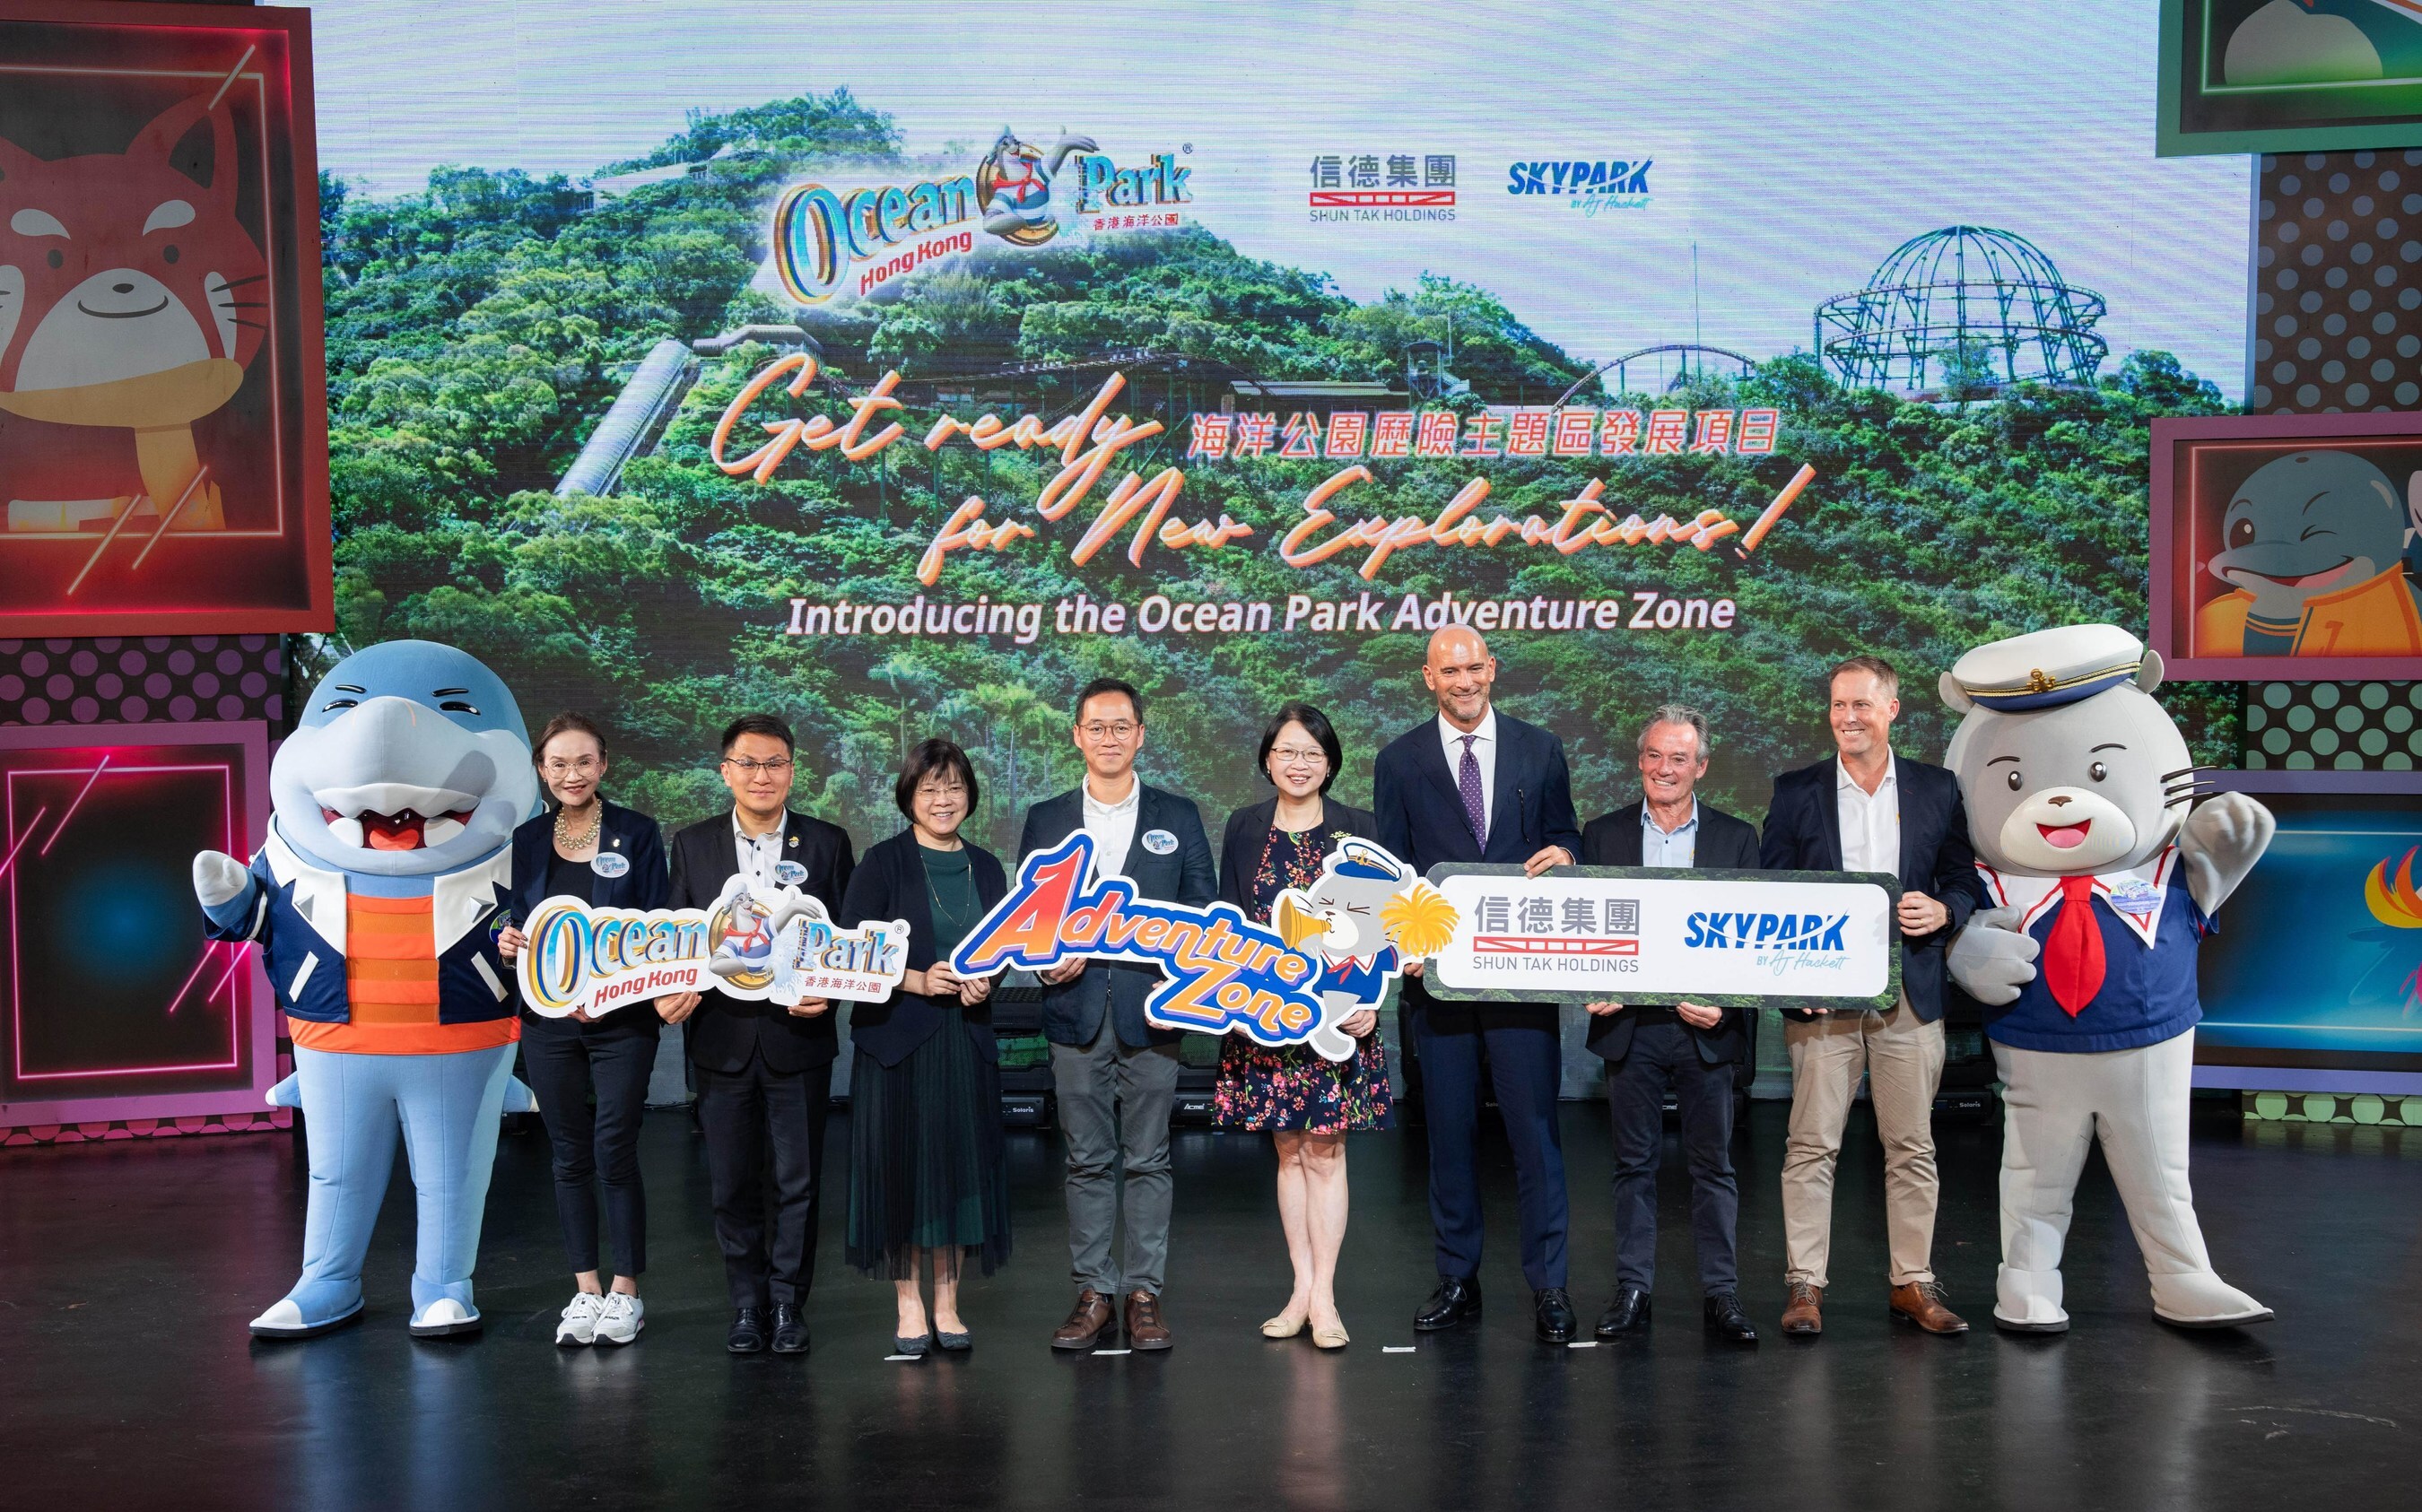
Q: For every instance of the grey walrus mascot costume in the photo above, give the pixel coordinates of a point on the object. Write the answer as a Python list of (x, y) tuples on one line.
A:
[(2105, 873)]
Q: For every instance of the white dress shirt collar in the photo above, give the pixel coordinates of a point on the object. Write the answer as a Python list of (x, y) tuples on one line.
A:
[(1113, 827), (1869, 822), (1483, 737), (1842, 777), (760, 854), (1648, 817)]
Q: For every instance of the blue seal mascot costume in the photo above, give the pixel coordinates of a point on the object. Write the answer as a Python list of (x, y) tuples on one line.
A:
[(2105, 864), (376, 901)]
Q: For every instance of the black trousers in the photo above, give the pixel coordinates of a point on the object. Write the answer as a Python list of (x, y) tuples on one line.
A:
[(1664, 1052), (567, 1063), (743, 1115)]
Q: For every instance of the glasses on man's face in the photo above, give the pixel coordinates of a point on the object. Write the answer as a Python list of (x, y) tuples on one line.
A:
[(579, 766), (1100, 731), (749, 769), (1300, 756)]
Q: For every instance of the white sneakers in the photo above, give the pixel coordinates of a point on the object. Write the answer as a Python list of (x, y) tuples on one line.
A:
[(620, 1320), (615, 1318), (579, 1325)]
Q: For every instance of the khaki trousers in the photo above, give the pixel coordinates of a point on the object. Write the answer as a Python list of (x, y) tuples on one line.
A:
[(1903, 1061)]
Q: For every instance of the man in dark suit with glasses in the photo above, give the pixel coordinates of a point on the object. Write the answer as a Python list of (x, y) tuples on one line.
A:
[(763, 1072)]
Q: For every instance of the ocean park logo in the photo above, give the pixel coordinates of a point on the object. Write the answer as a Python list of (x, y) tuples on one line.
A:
[(828, 239), (1590, 185)]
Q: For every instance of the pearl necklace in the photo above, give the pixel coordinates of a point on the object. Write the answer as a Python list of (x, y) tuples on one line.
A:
[(564, 841)]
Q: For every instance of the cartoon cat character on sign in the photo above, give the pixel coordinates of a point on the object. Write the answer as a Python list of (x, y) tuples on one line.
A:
[(2104, 871), (376, 900)]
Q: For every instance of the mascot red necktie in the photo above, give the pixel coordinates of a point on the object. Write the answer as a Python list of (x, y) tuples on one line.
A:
[(2073, 954)]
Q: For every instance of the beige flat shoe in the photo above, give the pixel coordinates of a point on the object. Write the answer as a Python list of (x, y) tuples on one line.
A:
[(1331, 1338), (1282, 1327)]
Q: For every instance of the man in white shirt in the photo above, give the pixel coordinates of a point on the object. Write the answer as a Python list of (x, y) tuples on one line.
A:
[(1114, 1073), (1866, 810)]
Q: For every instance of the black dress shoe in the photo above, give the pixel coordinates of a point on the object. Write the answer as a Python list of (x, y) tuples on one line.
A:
[(1726, 1321), (1456, 1300), (1626, 1314), (748, 1335), (790, 1329), (1553, 1311)]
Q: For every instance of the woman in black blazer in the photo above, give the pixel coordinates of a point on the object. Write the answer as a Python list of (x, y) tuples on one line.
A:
[(1306, 1102), (608, 857), (927, 1169)]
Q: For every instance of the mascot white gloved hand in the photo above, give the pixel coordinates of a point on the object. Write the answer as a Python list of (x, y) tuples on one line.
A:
[(2105, 872), (376, 901)]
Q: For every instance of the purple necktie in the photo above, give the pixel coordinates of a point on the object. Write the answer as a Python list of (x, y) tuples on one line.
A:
[(1475, 806)]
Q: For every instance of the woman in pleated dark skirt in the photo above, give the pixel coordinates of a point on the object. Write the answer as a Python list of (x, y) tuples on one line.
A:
[(928, 1182)]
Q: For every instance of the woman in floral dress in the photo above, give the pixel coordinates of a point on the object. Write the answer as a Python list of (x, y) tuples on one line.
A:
[(1308, 1102)]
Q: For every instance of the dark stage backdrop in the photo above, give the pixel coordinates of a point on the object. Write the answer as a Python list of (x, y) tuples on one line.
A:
[(574, 276)]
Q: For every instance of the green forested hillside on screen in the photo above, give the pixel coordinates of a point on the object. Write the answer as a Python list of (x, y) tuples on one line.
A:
[(477, 330)]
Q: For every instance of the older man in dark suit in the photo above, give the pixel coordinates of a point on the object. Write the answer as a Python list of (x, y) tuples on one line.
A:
[(1473, 785), (1116, 1075), (763, 1072), (1693, 1047)]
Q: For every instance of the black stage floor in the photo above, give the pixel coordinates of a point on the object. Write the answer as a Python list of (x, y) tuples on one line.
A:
[(127, 1381)]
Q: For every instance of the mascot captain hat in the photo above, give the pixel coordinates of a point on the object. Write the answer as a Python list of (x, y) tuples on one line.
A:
[(2048, 668)]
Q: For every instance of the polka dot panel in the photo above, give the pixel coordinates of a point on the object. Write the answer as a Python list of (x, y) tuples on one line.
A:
[(2335, 323), (141, 680), (2334, 726)]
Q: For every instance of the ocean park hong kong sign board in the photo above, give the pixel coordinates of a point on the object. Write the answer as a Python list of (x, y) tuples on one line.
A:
[(779, 946)]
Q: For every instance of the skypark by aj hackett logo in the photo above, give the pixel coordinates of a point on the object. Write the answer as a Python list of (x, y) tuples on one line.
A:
[(1787, 944), (822, 235), (1764, 931), (1590, 185)]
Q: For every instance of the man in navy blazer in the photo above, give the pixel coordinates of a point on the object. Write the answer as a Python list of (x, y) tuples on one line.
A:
[(1694, 1048), (1868, 810), (1503, 797), (1114, 1074)]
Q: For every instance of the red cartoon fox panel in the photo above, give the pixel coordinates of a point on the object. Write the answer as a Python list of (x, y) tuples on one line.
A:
[(152, 385)]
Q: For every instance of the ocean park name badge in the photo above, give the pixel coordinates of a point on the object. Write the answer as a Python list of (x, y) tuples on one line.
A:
[(1330, 952), (1654, 935), (779, 946)]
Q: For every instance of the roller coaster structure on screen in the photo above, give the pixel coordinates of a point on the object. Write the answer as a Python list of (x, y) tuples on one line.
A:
[(1961, 313)]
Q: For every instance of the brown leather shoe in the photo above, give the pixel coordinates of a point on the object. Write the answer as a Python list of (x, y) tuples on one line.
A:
[(1087, 1324), (1804, 1313), (1921, 1303), (1145, 1331)]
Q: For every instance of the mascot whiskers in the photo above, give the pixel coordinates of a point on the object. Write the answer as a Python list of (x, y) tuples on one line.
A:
[(2104, 871), (376, 900)]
